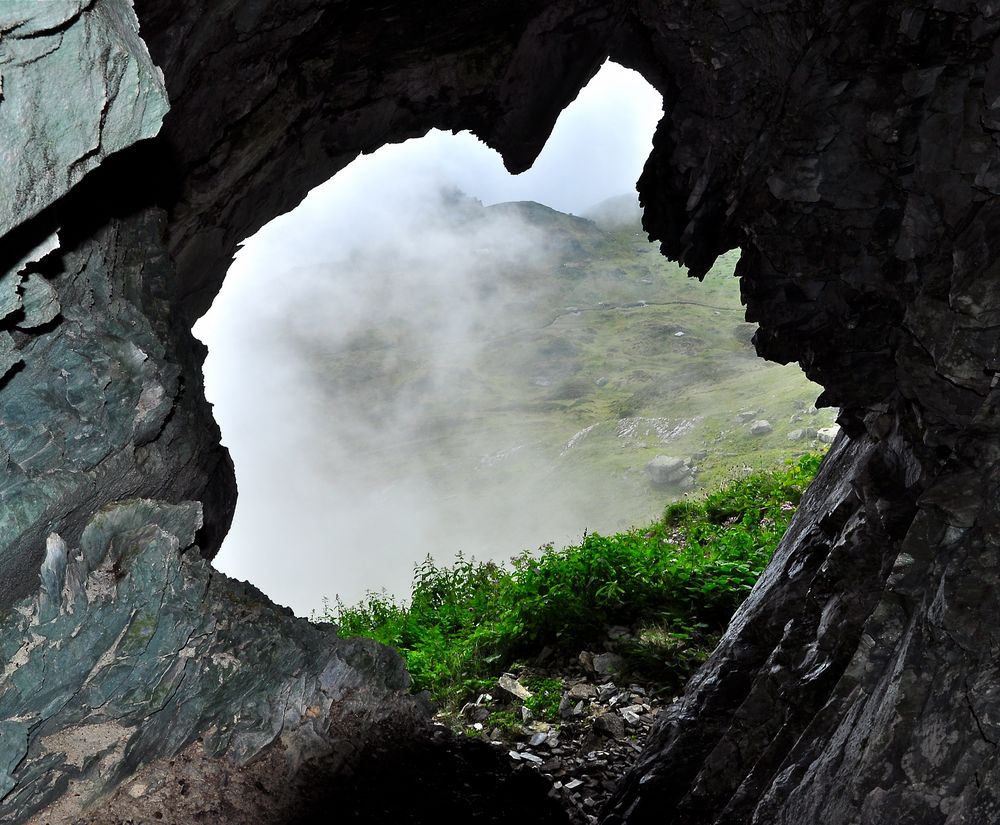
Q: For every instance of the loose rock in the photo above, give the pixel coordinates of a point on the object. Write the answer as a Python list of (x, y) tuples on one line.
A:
[(610, 724), (514, 687), (668, 470), (607, 664), (828, 434)]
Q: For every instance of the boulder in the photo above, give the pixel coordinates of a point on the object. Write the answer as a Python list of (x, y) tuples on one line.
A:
[(668, 470), (828, 434), (607, 664)]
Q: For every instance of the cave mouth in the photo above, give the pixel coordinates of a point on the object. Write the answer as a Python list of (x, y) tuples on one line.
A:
[(849, 150), (399, 276), (458, 363)]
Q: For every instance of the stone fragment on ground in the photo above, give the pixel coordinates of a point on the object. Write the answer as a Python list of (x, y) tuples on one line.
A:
[(514, 687), (670, 471), (607, 664), (600, 729), (828, 434)]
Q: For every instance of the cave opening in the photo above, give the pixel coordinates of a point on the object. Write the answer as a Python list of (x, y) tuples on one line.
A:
[(849, 150), (461, 360)]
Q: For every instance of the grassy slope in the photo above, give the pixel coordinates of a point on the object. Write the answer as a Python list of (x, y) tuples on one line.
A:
[(676, 582), (554, 408)]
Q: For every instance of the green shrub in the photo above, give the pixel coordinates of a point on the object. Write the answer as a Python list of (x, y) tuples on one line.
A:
[(678, 579)]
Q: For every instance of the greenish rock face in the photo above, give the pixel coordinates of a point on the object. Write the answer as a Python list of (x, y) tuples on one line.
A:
[(119, 645), (133, 648), (85, 379), (78, 85), (93, 382)]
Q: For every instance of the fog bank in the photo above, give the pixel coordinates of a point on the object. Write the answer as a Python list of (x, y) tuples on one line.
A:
[(343, 348)]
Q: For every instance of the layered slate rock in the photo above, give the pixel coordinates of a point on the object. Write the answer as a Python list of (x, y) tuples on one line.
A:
[(849, 148), (96, 406), (79, 85), (134, 650), (88, 377)]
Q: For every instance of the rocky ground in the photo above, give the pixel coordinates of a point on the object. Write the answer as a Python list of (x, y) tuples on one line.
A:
[(596, 724)]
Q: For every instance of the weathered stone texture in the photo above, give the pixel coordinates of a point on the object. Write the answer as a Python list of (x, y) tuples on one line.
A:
[(78, 85), (91, 413), (101, 678)]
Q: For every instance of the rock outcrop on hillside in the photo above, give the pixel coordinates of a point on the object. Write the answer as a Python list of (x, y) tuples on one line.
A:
[(849, 148)]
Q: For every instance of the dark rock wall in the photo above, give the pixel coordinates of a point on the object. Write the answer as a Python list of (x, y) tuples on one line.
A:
[(852, 155), (848, 148), (269, 99)]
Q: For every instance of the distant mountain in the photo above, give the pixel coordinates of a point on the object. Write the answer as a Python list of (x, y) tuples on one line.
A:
[(510, 371), (617, 213)]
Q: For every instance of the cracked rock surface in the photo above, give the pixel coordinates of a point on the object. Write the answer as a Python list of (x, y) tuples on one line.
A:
[(134, 649), (78, 85)]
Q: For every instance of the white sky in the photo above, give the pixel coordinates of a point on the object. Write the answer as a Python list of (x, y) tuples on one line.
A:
[(596, 150), (282, 534)]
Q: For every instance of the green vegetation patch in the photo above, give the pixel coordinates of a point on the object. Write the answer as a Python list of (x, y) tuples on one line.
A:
[(675, 582)]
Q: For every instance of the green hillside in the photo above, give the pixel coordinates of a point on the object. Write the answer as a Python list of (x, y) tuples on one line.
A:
[(586, 355)]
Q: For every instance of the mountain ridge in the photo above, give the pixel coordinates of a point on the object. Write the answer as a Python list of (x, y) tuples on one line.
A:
[(574, 361)]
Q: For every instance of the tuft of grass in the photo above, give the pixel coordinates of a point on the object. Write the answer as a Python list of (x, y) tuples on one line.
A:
[(504, 720), (546, 693), (667, 653), (677, 581)]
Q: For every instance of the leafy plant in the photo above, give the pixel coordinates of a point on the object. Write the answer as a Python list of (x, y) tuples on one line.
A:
[(546, 693), (678, 580)]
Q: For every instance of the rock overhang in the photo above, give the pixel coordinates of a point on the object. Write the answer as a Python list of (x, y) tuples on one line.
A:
[(849, 150)]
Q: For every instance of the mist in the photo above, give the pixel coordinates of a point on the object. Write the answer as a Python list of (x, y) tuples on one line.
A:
[(345, 353)]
